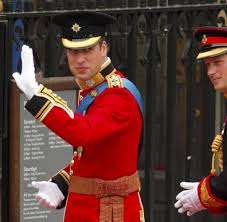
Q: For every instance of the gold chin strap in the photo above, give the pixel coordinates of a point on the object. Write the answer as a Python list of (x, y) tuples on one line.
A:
[(216, 148)]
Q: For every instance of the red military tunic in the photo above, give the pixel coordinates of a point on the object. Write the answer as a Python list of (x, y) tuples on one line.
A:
[(108, 137), (212, 189)]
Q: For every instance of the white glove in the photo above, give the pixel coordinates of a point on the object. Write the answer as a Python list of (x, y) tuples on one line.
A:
[(188, 199), (49, 195), (26, 81)]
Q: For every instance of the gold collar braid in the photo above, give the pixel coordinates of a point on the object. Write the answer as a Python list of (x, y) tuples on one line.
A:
[(106, 69)]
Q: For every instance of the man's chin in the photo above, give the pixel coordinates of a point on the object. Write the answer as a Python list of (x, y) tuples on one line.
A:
[(220, 89), (83, 77)]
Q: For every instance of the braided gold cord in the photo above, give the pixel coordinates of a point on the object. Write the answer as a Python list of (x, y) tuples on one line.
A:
[(216, 148), (220, 159), (1, 6)]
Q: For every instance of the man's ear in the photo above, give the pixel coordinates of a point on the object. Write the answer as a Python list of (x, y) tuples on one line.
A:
[(104, 47)]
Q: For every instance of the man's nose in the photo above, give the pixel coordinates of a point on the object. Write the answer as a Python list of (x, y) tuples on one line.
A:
[(210, 70), (79, 57)]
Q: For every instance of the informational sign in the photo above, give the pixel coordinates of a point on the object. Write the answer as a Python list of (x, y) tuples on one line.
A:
[(41, 154)]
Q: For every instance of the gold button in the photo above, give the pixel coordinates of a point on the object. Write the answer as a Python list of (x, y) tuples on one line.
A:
[(81, 97), (80, 149), (71, 172)]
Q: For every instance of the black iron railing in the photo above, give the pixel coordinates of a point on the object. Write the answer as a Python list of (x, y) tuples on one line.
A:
[(40, 5)]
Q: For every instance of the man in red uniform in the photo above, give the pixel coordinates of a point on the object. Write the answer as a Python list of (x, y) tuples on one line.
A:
[(211, 192), (101, 183)]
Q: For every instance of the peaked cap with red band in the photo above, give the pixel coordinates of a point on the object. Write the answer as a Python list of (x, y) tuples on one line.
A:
[(213, 41)]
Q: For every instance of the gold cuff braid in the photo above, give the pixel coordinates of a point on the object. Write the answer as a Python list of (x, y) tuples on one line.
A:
[(52, 100), (206, 197)]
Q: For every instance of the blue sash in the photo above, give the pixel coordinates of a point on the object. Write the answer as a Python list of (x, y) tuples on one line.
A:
[(88, 99)]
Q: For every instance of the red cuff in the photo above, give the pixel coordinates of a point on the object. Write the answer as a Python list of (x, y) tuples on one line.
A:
[(214, 204)]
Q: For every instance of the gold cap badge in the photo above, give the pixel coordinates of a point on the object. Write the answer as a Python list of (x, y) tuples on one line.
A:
[(204, 40), (76, 27)]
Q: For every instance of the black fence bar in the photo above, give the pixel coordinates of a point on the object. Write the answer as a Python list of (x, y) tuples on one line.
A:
[(98, 6), (4, 101), (40, 5)]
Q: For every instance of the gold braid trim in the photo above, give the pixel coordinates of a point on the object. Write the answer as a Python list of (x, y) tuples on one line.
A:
[(65, 176), (53, 100), (94, 81), (216, 149), (1, 6), (207, 200), (44, 111)]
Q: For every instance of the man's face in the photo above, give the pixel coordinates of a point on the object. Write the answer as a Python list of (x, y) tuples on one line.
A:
[(217, 72), (85, 63)]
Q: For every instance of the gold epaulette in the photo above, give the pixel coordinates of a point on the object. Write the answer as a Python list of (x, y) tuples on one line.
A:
[(114, 80), (52, 100)]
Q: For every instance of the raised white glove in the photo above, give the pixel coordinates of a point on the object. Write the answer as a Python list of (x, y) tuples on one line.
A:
[(26, 81), (49, 195), (188, 199)]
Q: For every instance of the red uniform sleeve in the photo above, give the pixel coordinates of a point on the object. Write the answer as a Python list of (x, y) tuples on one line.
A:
[(212, 189), (110, 114), (214, 204)]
